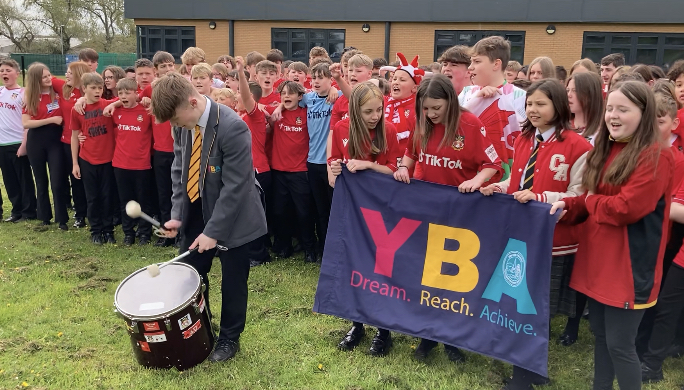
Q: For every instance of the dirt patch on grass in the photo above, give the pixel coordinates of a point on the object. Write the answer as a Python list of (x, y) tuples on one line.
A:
[(83, 353), (6, 344), (82, 271), (94, 283)]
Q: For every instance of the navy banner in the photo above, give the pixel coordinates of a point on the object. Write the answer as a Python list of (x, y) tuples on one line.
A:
[(425, 260)]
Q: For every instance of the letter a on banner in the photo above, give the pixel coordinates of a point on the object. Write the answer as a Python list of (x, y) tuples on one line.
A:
[(510, 278)]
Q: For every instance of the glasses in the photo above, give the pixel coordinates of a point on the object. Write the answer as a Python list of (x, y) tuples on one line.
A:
[(108, 78)]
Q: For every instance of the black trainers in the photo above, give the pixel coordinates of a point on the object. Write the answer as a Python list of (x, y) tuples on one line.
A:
[(109, 238), (80, 223), (454, 354), (64, 227), (129, 240), (224, 350), (96, 239), (143, 240), (649, 375), (310, 257)]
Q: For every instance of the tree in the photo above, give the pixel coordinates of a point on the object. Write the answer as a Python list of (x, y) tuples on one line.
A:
[(108, 16), (14, 26), (62, 18)]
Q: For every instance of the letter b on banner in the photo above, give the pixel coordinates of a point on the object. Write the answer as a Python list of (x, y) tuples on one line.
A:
[(510, 278), (469, 247)]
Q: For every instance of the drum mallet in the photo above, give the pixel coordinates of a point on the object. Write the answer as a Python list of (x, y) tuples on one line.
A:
[(134, 211), (154, 269)]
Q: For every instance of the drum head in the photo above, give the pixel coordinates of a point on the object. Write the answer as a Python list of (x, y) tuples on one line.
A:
[(142, 296)]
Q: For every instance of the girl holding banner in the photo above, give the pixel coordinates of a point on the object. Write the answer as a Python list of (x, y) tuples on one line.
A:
[(547, 166), (365, 140), (448, 147), (625, 210)]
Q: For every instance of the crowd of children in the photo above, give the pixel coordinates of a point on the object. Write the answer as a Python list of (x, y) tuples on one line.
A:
[(602, 143)]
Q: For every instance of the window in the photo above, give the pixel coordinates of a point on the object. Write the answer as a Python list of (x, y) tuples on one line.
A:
[(661, 49), (445, 39), (173, 39), (295, 43)]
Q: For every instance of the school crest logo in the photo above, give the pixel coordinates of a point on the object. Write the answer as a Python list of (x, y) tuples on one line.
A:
[(345, 141), (407, 113), (514, 268), (298, 121), (557, 165), (15, 96), (459, 143), (140, 118)]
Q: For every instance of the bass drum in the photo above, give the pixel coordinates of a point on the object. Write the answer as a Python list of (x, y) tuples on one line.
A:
[(166, 317)]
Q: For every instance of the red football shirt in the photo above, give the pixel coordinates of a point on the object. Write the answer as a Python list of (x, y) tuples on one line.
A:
[(256, 121), (47, 108), (67, 105), (679, 198), (98, 148), (133, 129), (290, 142), (339, 111), (272, 100), (340, 145), (161, 132), (453, 164)]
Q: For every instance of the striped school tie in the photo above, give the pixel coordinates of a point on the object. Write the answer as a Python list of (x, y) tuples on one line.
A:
[(193, 171), (529, 172)]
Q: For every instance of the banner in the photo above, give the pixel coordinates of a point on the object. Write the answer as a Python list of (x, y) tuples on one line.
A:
[(425, 260)]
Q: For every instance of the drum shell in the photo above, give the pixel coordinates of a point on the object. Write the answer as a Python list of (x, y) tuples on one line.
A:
[(186, 343)]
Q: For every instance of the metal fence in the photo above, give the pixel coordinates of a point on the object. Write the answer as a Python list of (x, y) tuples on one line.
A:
[(58, 63)]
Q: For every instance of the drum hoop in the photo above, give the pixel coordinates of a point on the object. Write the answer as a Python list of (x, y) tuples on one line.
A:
[(166, 314)]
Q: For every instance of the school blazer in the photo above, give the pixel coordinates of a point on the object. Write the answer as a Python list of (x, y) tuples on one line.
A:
[(231, 201), (558, 174)]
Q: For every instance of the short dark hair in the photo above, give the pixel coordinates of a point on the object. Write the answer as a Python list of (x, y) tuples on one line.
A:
[(617, 59), (676, 70), (322, 69), (129, 69), (458, 54), (379, 63), (143, 63), (561, 73), (162, 57), (255, 90), (291, 87), (275, 55), (88, 55)]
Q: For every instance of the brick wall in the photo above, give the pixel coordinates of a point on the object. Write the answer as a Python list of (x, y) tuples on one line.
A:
[(564, 47)]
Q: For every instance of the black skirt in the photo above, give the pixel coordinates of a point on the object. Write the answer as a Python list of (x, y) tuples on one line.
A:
[(562, 299)]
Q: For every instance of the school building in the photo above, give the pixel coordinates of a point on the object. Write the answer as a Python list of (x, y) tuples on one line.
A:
[(646, 31)]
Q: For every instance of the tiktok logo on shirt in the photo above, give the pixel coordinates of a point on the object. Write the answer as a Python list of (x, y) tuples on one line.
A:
[(290, 128), (441, 162)]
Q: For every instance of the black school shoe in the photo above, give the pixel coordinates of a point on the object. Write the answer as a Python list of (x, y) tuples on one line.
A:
[(352, 338), (96, 239), (129, 240), (144, 240), (64, 227), (109, 238), (224, 350), (310, 257), (380, 346), (423, 350), (649, 375), (454, 354), (80, 223)]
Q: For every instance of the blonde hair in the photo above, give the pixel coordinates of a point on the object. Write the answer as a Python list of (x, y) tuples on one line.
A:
[(586, 63), (34, 87), (225, 92), (78, 69), (193, 56), (359, 60), (546, 65), (202, 69), (360, 142), (665, 105), (494, 48), (514, 66), (170, 93)]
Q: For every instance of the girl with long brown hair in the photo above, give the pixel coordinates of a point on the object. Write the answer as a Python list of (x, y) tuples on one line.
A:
[(628, 182), (71, 92), (447, 147), (364, 140), (42, 116), (111, 75), (585, 97)]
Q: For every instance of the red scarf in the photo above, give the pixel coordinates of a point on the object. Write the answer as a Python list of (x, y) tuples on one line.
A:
[(399, 111)]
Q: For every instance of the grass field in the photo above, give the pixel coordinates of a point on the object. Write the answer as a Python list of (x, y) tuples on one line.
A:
[(58, 330)]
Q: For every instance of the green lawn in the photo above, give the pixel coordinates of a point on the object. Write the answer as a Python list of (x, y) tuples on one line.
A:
[(58, 330)]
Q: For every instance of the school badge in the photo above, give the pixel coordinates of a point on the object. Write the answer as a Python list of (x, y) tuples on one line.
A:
[(459, 143), (15, 96), (298, 121), (407, 113), (140, 118)]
